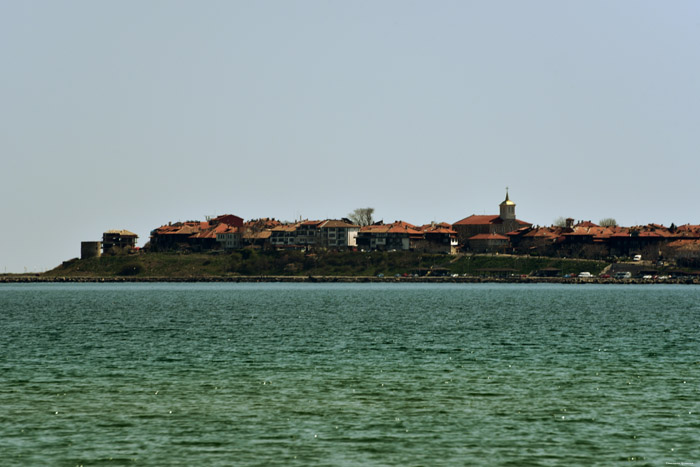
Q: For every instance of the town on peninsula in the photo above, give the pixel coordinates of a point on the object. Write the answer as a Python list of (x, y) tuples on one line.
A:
[(498, 247)]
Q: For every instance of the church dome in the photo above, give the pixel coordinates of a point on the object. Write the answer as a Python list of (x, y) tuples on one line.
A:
[(507, 201)]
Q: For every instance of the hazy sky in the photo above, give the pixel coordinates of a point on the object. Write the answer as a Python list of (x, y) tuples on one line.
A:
[(130, 114)]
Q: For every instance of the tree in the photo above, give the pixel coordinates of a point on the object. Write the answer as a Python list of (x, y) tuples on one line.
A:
[(362, 216), (560, 222), (608, 222)]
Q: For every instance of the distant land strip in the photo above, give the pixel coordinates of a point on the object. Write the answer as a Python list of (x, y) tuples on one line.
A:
[(34, 278)]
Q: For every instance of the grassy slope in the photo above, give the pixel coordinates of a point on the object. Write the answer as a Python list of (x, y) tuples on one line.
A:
[(251, 262)]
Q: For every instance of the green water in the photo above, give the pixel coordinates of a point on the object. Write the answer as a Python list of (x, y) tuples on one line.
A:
[(349, 374)]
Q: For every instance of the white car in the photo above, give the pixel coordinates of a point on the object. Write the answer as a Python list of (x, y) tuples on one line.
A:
[(585, 275)]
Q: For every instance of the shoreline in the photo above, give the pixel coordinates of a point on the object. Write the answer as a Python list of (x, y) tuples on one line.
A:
[(14, 279)]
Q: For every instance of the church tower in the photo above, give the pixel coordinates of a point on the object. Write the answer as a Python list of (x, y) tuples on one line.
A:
[(507, 209)]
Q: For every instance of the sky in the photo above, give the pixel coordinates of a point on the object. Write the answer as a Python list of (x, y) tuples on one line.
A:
[(131, 114)]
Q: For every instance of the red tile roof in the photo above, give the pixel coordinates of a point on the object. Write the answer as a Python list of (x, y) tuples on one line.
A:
[(488, 236), (229, 219), (543, 232), (285, 228), (182, 228), (331, 223), (433, 226), (685, 243), (265, 234), (440, 230), (397, 227), (479, 220)]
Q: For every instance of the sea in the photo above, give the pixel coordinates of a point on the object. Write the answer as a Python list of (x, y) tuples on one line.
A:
[(336, 374)]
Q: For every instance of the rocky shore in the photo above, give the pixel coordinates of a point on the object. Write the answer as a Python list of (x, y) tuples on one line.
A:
[(10, 278)]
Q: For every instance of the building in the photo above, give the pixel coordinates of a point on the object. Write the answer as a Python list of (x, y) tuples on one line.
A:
[(208, 238), (193, 235), (284, 236), (337, 234), (397, 236), (489, 243), (175, 236), (307, 233), (500, 224), (257, 232), (114, 241), (437, 238), (229, 238), (330, 233)]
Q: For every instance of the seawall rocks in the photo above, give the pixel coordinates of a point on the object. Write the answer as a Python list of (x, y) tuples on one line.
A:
[(342, 279)]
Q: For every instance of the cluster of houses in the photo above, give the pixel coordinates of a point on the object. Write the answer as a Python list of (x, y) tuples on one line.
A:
[(498, 233), (231, 232)]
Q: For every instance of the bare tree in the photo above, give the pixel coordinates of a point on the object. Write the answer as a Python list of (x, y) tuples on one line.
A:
[(560, 222), (607, 222), (362, 216)]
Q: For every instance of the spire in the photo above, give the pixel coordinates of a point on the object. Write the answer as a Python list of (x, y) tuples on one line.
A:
[(507, 208), (507, 201)]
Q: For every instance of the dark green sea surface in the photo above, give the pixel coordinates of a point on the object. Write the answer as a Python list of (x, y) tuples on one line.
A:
[(349, 374)]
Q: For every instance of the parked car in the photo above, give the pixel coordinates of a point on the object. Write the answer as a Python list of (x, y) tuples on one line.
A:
[(637, 258), (585, 275), (623, 275)]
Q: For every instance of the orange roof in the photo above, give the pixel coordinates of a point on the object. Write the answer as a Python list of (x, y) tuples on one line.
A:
[(395, 228), (543, 232), (579, 232), (685, 243), (433, 226), (404, 224), (331, 223), (187, 228), (440, 230), (257, 235), (212, 231), (688, 228), (205, 234), (310, 222), (479, 220), (285, 228), (230, 229), (488, 236)]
